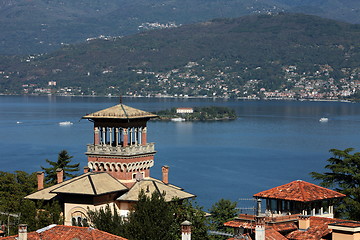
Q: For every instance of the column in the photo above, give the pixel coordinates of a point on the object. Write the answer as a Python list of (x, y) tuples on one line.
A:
[(136, 135), (125, 137), (140, 135), (116, 138), (313, 212), (96, 136), (110, 136), (143, 136), (131, 136), (104, 135)]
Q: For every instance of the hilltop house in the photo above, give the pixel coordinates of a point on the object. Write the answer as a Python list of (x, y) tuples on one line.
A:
[(119, 162), (297, 211)]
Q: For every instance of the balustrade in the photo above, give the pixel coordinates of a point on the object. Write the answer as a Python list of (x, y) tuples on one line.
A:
[(119, 150)]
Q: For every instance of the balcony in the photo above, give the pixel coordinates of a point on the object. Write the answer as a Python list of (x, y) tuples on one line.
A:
[(120, 150)]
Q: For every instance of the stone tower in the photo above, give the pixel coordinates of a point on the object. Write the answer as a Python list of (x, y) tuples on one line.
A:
[(120, 145)]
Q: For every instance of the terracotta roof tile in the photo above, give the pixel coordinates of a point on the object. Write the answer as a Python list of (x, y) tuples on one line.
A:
[(300, 191), (60, 232), (351, 224), (272, 234), (245, 236), (285, 226), (280, 223), (318, 229), (236, 224)]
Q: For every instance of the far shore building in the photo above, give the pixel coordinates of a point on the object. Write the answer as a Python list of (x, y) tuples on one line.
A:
[(295, 211), (185, 110), (119, 162)]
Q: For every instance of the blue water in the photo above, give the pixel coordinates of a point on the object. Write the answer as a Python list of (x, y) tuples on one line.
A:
[(271, 143)]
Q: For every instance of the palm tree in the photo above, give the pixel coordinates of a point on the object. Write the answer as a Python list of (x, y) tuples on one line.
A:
[(63, 162)]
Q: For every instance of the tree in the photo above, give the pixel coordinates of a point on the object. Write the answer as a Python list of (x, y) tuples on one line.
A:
[(221, 212), (192, 212), (344, 176), (152, 219), (107, 220), (63, 162), (13, 188)]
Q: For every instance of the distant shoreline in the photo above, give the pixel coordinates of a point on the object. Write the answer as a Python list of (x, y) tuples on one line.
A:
[(190, 97)]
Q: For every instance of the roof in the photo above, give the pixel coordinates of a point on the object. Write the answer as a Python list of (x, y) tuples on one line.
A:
[(87, 184), (92, 184), (272, 234), (317, 230), (245, 236), (55, 232), (300, 191), (120, 111), (320, 228), (149, 185), (279, 224)]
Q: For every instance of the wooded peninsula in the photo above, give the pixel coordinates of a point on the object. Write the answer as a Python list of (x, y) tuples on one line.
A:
[(212, 113)]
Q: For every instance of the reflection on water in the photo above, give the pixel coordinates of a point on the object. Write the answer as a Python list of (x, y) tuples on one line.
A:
[(271, 143)]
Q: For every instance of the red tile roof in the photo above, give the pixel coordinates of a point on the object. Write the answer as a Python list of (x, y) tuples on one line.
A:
[(351, 224), (236, 224), (245, 236), (57, 232), (280, 223), (300, 191), (318, 229), (285, 226), (272, 234)]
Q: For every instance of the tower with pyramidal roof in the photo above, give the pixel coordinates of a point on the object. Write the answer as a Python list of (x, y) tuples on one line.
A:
[(120, 145), (120, 158)]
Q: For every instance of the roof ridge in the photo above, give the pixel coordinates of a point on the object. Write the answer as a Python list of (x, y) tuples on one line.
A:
[(328, 189), (92, 185), (156, 187), (301, 187), (127, 116), (116, 179)]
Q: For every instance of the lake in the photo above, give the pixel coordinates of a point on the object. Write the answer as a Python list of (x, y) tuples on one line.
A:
[(270, 144)]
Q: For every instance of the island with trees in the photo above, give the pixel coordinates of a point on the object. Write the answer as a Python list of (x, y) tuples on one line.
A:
[(212, 113)]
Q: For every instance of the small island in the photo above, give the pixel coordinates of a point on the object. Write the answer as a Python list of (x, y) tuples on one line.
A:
[(213, 113)]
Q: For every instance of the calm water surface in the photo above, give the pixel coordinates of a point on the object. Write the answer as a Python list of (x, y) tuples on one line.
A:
[(271, 143)]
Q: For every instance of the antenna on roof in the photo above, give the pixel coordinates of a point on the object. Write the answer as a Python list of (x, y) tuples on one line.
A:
[(120, 99)]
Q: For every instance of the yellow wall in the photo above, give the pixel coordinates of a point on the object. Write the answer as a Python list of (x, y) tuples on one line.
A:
[(76, 209), (345, 236)]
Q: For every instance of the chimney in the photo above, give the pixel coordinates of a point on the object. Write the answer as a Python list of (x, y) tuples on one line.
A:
[(304, 222), (40, 180), (22, 232), (186, 230), (60, 175), (258, 207), (165, 174), (86, 169), (260, 228)]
